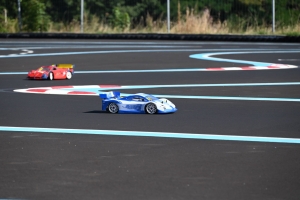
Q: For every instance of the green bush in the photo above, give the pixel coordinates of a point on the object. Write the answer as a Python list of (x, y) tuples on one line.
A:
[(34, 17), (120, 20)]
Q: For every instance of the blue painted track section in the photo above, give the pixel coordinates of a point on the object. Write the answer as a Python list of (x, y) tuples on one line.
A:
[(154, 134)]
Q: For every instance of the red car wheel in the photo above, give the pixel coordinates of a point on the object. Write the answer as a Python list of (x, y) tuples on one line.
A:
[(51, 76), (69, 75)]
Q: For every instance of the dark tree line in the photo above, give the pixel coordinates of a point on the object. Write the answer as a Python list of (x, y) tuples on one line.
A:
[(36, 14)]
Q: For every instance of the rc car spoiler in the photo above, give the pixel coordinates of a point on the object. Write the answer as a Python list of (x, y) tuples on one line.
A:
[(65, 66), (111, 94), (70, 66)]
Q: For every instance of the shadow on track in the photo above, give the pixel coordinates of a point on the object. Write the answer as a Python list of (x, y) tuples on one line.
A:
[(105, 112)]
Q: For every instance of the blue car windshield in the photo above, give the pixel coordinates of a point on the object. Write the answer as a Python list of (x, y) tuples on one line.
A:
[(151, 98)]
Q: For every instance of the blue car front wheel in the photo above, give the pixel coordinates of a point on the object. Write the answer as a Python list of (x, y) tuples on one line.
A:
[(151, 108)]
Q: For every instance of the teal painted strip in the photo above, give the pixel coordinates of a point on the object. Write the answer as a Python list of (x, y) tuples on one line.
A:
[(154, 134), (96, 90), (129, 87), (142, 71), (119, 71), (207, 56), (206, 85), (13, 73), (99, 52), (149, 51), (229, 98)]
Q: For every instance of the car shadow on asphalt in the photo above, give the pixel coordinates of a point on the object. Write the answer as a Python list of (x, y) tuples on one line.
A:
[(56, 80), (97, 111), (105, 112)]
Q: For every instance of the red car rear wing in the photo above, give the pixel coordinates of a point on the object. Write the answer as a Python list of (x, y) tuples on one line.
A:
[(65, 66)]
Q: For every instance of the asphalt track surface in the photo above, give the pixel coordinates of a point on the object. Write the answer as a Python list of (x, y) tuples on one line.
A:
[(63, 165)]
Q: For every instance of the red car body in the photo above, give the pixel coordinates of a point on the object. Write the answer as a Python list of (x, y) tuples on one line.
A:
[(58, 71)]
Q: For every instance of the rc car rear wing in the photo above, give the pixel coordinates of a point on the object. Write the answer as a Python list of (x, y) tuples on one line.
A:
[(111, 94), (65, 66)]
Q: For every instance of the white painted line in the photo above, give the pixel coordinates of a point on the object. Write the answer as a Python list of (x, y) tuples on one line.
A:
[(94, 90), (288, 59), (232, 68)]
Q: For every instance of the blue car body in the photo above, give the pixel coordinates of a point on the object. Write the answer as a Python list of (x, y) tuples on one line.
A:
[(136, 103)]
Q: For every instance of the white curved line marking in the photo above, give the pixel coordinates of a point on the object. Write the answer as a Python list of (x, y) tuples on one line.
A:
[(94, 90), (207, 56), (23, 53)]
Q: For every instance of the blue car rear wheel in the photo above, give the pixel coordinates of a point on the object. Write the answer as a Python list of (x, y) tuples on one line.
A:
[(113, 108)]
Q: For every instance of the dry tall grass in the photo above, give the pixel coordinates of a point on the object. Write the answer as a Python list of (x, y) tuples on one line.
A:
[(198, 23), (189, 23)]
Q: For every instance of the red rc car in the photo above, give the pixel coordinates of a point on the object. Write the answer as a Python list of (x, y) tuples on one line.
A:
[(58, 71)]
